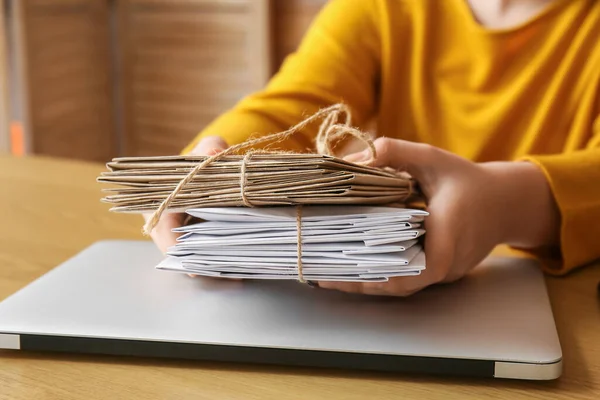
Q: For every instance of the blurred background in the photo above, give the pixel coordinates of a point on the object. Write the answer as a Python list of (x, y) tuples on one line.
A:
[(96, 79)]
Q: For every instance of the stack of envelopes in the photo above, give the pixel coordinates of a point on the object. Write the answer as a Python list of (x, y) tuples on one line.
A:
[(142, 183), (339, 243), (348, 229)]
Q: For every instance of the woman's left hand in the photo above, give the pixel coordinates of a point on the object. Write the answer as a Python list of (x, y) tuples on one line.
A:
[(473, 207)]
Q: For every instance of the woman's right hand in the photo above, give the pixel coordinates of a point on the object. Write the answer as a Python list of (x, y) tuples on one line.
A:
[(162, 234)]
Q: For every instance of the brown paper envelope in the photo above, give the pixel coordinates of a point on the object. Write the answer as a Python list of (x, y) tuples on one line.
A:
[(350, 200), (324, 186), (336, 163), (271, 179), (180, 207), (279, 160), (234, 186), (387, 200), (145, 177), (252, 190), (298, 197), (371, 180), (298, 156), (229, 161)]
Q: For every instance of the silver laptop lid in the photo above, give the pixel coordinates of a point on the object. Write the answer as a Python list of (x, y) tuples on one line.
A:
[(499, 313)]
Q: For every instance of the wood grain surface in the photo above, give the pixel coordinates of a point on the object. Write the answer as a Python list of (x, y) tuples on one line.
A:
[(50, 210)]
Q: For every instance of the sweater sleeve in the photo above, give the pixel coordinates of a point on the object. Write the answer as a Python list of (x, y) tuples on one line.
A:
[(337, 61), (575, 182)]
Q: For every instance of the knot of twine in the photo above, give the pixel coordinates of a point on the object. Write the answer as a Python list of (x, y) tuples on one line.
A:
[(332, 128)]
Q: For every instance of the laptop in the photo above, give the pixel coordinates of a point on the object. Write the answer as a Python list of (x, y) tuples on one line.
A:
[(110, 299)]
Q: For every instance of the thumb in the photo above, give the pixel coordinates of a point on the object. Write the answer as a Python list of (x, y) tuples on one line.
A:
[(440, 240), (402, 155), (209, 145)]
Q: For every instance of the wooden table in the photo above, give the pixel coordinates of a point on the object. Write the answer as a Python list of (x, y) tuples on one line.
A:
[(49, 210)]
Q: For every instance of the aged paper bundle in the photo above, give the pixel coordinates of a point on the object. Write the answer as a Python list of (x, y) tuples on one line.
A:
[(271, 179), (278, 215)]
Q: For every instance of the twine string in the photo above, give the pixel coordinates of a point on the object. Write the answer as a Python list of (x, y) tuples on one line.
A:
[(330, 130), (299, 244), (244, 179)]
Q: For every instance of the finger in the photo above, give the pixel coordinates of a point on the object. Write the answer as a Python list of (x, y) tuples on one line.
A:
[(442, 229), (214, 278), (440, 244), (402, 286), (438, 262), (163, 234), (394, 287), (209, 146), (348, 287), (414, 158)]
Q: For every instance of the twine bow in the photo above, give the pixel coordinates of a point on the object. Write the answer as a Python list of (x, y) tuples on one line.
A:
[(331, 129)]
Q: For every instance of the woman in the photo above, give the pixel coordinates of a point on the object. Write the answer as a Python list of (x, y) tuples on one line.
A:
[(492, 105)]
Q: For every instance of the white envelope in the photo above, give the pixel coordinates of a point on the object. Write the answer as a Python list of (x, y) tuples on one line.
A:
[(219, 227), (339, 243), (369, 241), (320, 249), (309, 213), (355, 274)]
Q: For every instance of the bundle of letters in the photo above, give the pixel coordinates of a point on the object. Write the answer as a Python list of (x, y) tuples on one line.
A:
[(303, 217), (263, 180)]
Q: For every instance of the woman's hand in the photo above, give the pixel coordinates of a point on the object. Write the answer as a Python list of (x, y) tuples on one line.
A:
[(163, 235), (473, 207)]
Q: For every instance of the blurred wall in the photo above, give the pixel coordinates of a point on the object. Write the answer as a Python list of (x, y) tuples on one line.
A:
[(5, 144), (62, 83), (290, 18), (101, 78)]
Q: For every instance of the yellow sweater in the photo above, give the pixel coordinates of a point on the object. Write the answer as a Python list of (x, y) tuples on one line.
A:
[(427, 71)]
